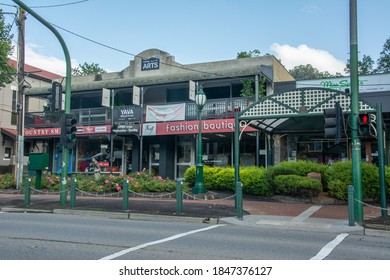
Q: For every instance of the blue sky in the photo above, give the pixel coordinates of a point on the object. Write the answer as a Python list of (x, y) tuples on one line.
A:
[(195, 31)]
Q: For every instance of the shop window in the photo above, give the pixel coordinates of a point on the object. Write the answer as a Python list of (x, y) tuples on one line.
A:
[(315, 147), (7, 153)]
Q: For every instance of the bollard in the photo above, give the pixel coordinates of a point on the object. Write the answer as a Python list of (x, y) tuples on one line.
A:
[(73, 193), (27, 195), (351, 201), (179, 197), (125, 197), (238, 201)]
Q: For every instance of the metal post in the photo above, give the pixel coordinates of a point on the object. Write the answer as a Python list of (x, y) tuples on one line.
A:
[(381, 159), (38, 179), (68, 84), (351, 199), (73, 192), (125, 197), (237, 183), (179, 197), (27, 195), (356, 143)]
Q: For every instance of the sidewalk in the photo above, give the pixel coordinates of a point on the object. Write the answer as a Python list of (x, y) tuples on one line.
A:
[(282, 212)]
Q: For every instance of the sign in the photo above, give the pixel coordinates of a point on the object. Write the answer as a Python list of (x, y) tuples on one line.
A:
[(162, 113), (56, 131), (106, 97), (191, 127), (192, 91), (130, 128), (127, 114), (136, 95), (152, 63), (367, 83)]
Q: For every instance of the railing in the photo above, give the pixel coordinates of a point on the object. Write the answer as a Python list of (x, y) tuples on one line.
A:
[(213, 109)]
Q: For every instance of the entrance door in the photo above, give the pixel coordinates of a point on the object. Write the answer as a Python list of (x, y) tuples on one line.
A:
[(154, 162), (184, 158)]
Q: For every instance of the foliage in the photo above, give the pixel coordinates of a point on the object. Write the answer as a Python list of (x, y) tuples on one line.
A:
[(339, 176), (248, 86), (255, 182), (384, 58), (365, 66), (308, 72), (7, 72), (297, 186), (87, 69), (7, 181)]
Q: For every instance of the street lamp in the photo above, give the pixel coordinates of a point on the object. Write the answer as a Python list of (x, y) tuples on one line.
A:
[(199, 188)]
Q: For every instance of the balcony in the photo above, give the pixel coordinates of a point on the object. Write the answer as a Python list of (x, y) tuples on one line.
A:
[(213, 109)]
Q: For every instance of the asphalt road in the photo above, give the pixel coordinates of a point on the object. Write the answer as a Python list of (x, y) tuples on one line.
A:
[(29, 236)]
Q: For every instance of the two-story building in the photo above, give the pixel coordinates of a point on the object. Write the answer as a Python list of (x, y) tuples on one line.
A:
[(34, 77), (145, 116)]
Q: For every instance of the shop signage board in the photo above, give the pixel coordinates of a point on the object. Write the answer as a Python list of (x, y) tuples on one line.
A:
[(123, 128), (163, 113), (151, 63), (127, 114), (190, 127)]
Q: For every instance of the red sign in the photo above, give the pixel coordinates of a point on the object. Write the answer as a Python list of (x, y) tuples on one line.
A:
[(56, 131), (190, 127)]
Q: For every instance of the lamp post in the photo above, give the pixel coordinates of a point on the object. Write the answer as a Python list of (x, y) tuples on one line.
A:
[(199, 188)]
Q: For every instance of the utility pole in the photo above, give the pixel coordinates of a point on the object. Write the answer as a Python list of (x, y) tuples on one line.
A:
[(20, 101), (356, 143)]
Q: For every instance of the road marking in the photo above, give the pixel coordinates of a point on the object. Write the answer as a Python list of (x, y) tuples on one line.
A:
[(328, 248), (306, 214), (132, 249)]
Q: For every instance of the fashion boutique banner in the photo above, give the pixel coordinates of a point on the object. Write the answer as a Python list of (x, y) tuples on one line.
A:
[(190, 127), (163, 113)]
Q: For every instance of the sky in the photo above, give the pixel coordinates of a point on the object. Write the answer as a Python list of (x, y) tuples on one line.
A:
[(110, 33)]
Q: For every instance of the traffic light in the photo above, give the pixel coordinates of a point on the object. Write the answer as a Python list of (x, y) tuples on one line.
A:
[(68, 131), (333, 122), (364, 124), (56, 97)]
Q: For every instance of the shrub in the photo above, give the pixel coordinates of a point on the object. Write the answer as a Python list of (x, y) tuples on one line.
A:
[(255, 182), (298, 186), (7, 181), (339, 176)]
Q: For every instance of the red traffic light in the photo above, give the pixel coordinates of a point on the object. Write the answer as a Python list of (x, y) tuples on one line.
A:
[(364, 118)]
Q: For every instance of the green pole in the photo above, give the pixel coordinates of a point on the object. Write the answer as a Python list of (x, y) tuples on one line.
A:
[(27, 195), (38, 179), (65, 150), (73, 192), (179, 197), (237, 183), (356, 143), (199, 187), (351, 199), (125, 197), (381, 159)]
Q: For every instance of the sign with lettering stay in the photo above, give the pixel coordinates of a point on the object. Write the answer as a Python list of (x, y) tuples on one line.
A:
[(152, 63)]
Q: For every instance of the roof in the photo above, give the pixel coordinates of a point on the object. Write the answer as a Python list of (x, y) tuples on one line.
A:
[(36, 71), (9, 132)]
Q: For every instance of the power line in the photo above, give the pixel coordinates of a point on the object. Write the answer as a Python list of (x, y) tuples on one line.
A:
[(59, 5)]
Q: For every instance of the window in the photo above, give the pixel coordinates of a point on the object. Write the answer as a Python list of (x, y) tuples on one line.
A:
[(7, 153)]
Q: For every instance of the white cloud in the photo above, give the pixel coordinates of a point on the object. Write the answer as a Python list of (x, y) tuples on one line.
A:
[(303, 54), (34, 57)]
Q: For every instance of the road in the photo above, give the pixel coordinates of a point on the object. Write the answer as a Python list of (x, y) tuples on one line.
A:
[(29, 236)]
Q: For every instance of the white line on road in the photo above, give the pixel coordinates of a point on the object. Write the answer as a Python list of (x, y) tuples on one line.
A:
[(305, 214), (132, 249), (328, 248)]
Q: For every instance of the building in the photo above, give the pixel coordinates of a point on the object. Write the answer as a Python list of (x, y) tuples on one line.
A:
[(145, 116), (34, 77)]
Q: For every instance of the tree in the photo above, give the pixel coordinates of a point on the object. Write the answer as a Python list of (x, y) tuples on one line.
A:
[(384, 59), (248, 86), (87, 69), (365, 66), (7, 73), (308, 72)]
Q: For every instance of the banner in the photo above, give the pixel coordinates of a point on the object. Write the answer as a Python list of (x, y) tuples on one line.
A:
[(162, 113)]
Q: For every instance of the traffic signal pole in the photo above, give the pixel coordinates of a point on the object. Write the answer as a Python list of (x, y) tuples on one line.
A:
[(356, 143), (65, 150)]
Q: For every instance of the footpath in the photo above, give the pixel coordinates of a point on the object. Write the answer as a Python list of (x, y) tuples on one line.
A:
[(323, 214)]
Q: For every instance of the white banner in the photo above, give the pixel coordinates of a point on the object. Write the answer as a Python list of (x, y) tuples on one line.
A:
[(162, 113)]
